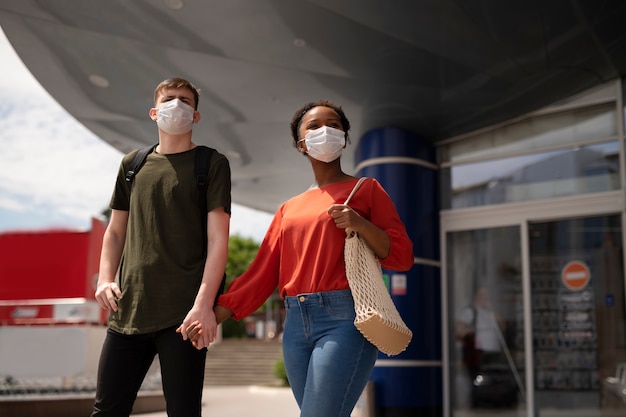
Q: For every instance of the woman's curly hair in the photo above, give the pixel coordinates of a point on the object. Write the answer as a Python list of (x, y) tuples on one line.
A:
[(297, 117)]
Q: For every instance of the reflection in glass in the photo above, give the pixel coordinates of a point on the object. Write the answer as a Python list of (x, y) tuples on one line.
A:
[(553, 129), (486, 321), (578, 314), (579, 170)]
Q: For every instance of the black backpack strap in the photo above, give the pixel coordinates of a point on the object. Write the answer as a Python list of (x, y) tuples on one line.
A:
[(138, 161), (201, 171)]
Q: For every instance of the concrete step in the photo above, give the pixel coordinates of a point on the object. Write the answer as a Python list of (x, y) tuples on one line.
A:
[(242, 362)]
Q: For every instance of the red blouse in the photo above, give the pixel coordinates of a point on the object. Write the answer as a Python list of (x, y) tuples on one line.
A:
[(302, 251)]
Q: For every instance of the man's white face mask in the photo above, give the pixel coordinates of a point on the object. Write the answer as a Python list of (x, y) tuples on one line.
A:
[(175, 117), (325, 144)]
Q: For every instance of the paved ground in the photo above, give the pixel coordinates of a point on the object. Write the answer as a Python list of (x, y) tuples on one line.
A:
[(238, 401), (260, 401)]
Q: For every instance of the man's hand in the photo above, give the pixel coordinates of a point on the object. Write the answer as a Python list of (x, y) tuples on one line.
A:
[(106, 295), (194, 330), (203, 317)]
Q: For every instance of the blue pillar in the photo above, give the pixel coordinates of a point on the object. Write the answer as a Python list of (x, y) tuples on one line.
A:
[(410, 384)]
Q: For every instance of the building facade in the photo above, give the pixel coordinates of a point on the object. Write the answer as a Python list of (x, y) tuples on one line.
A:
[(532, 255)]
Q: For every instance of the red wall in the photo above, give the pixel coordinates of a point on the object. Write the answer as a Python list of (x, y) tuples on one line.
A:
[(49, 264)]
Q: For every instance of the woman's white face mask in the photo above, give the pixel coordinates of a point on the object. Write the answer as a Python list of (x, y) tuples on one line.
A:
[(325, 143), (175, 117)]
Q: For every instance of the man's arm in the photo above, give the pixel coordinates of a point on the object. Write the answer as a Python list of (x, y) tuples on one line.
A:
[(218, 227), (107, 289), (462, 329)]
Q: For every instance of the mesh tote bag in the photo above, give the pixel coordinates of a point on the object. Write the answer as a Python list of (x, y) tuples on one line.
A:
[(376, 315)]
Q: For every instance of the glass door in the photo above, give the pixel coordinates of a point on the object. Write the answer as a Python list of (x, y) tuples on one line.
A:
[(578, 329), (559, 352), (485, 321)]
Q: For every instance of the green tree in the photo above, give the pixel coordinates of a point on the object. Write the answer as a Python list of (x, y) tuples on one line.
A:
[(241, 253)]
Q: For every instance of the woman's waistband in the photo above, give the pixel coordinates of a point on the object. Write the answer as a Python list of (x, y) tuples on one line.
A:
[(320, 298)]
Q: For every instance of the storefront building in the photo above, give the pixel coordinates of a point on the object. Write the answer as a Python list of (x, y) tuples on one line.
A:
[(532, 259)]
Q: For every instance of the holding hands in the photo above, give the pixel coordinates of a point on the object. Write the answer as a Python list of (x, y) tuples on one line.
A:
[(196, 332), (193, 331), (206, 318)]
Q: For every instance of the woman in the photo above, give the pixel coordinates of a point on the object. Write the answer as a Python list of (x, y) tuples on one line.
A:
[(328, 361)]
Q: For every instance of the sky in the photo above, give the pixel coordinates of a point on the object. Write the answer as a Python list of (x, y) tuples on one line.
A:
[(54, 172)]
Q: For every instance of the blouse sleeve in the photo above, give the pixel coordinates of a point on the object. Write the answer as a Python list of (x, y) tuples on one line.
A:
[(250, 290), (385, 215)]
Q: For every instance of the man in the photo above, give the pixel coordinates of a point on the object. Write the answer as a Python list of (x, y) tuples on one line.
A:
[(166, 278), (480, 329)]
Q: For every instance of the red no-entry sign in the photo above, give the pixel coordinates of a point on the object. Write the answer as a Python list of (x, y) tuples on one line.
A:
[(575, 275)]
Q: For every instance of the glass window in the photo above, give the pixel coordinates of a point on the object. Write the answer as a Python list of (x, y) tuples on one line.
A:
[(572, 148), (557, 173), (555, 129)]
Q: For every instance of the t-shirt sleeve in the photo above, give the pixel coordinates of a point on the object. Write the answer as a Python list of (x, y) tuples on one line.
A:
[(250, 290), (219, 186)]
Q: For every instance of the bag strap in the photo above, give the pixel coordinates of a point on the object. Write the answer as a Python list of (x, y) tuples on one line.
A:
[(138, 161), (356, 187)]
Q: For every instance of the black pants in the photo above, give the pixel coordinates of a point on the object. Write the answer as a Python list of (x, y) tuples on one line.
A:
[(125, 360)]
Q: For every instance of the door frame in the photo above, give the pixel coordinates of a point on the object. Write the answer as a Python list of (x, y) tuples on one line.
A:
[(517, 214)]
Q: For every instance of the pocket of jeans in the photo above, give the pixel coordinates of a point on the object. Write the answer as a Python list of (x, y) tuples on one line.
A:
[(341, 310)]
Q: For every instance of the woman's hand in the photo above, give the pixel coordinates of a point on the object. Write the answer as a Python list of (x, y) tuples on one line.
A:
[(346, 218), (376, 238), (194, 331)]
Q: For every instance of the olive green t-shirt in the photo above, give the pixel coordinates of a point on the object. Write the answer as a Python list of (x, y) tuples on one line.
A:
[(163, 260)]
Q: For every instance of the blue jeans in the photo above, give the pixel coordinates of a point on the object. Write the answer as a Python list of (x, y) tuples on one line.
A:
[(328, 361)]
